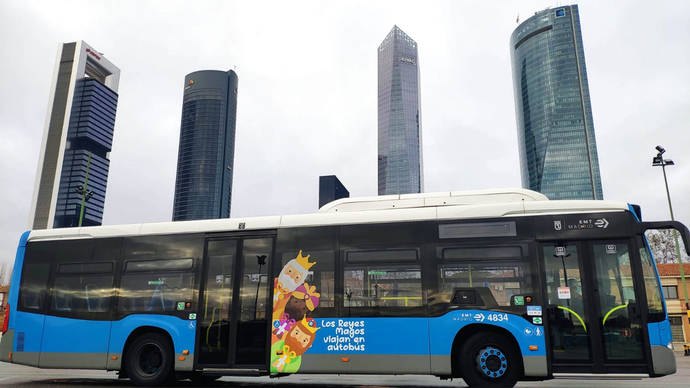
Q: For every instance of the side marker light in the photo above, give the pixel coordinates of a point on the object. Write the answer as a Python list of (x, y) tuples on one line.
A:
[(533, 347)]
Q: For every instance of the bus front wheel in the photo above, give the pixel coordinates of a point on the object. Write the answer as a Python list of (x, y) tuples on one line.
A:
[(149, 360), (489, 359)]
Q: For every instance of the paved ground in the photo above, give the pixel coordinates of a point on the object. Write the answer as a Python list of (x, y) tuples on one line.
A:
[(17, 375)]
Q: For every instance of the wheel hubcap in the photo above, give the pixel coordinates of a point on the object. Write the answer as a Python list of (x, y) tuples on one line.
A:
[(491, 362), (150, 359)]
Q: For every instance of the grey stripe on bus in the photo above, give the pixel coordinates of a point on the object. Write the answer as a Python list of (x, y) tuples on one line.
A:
[(186, 364), (663, 360), (533, 365), (72, 360), (25, 358), (6, 345), (84, 360), (364, 363)]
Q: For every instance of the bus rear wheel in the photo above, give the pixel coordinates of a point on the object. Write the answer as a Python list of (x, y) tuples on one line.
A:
[(149, 360), (489, 360)]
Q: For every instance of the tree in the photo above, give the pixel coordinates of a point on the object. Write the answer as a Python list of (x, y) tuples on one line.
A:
[(663, 246)]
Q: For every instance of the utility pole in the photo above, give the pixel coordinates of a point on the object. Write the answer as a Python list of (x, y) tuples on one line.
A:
[(84, 191), (658, 160)]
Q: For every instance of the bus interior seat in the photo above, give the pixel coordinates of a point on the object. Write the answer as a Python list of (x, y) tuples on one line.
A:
[(473, 296)]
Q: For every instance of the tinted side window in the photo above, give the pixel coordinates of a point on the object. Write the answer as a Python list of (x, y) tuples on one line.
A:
[(381, 268), (485, 277), (155, 291), (655, 305), (35, 273), (319, 244), (159, 274), (383, 284), (82, 295)]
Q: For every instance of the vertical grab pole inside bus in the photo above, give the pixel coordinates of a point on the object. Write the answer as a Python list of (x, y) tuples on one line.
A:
[(261, 260)]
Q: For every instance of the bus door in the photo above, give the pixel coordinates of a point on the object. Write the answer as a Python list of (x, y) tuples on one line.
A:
[(593, 318), (233, 321)]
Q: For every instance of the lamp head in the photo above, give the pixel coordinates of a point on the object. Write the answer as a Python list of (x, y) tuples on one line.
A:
[(660, 149)]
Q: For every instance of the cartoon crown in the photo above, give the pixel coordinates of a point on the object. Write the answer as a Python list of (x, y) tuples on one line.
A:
[(309, 324), (304, 260)]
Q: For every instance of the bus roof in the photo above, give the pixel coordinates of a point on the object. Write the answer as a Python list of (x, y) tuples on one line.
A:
[(395, 208)]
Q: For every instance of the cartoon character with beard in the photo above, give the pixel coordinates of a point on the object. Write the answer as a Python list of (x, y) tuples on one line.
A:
[(302, 301), (286, 355), (291, 277)]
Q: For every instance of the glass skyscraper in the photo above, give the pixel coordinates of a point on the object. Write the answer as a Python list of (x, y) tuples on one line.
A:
[(399, 116), (558, 151), (75, 152), (207, 146)]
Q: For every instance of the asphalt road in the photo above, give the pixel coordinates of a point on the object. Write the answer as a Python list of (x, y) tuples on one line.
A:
[(22, 376)]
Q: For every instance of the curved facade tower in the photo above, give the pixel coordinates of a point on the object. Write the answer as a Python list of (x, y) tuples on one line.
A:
[(207, 146), (400, 130), (558, 152)]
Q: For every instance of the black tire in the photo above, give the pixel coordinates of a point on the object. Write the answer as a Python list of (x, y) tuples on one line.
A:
[(489, 360), (200, 378), (149, 360)]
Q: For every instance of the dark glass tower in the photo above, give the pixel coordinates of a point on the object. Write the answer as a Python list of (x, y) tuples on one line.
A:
[(558, 151), (399, 116), (207, 146), (75, 153), (331, 189)]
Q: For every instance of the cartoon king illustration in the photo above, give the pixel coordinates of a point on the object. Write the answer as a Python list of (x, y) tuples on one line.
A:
[(286, 354), (291, 277)]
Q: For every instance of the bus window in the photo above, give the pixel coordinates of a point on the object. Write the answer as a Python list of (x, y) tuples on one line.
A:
[(34, 283), (155, 291), (655, 306), (319, 244), (33, 287), (382, 279), (82, 294), (320, 275), (502, 271)]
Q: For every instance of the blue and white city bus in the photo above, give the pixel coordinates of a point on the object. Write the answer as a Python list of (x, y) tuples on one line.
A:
[(491, 286)]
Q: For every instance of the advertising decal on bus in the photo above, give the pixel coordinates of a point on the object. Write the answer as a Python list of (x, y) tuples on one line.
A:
[(293, 332)]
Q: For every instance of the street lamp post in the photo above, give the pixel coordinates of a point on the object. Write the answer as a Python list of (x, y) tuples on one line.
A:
[(659, 160), (84, 191)]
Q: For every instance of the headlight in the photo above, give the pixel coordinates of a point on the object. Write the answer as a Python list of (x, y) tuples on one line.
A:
[(670, 345)]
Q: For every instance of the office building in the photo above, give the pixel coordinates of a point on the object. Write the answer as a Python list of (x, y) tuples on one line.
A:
[(558, 151), (203, 186), (678, 312), (75, 151), (399, 116), (330, 189)]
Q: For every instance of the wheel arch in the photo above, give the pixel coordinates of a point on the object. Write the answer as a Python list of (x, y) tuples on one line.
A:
[(468, 331), (139, 331)]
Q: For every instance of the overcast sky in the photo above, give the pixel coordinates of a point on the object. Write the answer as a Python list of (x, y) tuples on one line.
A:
[(308, 96)]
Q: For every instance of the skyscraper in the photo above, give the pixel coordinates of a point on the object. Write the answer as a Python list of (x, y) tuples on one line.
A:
[(558, 151), (400, 129), (207, 146), (331, 189), (75, 152)]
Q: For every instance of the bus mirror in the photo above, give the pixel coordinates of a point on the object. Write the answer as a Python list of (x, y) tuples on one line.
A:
[(682, 229)]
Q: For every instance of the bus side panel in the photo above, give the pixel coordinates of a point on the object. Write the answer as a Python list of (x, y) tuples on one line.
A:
[(365, 345), (27, 337), (25, 330), (663, 359), (181, 331), (85, 348), (443, 329)]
